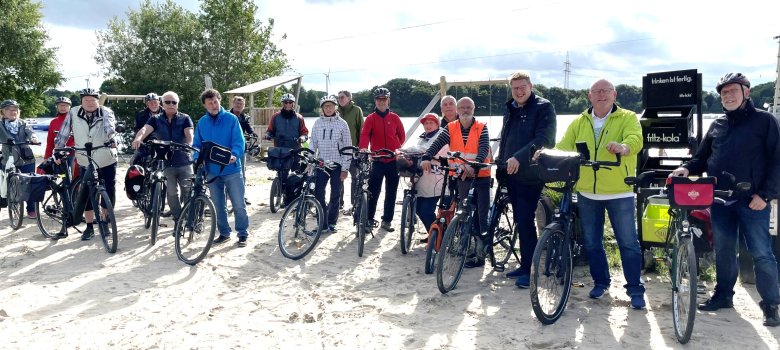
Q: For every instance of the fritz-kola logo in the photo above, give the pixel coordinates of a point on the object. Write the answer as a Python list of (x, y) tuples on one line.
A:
[(693, 194), (663, 137)]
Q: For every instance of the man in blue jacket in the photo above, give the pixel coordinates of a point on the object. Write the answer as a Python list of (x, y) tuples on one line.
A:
[(529, 122), (222, 128)]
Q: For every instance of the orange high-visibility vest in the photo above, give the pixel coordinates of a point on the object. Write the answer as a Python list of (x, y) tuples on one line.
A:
[(469, 149)]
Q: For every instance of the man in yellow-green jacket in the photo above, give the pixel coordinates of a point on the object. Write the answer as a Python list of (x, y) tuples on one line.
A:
[(608, 130)]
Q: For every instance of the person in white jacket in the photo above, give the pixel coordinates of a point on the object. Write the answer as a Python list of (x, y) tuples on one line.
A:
[(330, 133)]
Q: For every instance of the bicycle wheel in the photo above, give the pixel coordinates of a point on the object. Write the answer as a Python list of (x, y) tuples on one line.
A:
[(362, 218), (50, 215), (104, 216), (407, 223), (504, 234), (683, 289), (14, 206), (276, 195), (300, 227), (157, 207), (194, 231), (452, 254), (430, 249), (551, 272)]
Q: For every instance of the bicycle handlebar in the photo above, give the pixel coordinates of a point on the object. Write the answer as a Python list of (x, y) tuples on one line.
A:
[(473, 164), (11, 142), (171, 144)]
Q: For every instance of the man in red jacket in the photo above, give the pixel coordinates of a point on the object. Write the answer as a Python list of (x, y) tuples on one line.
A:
[(382, 129)]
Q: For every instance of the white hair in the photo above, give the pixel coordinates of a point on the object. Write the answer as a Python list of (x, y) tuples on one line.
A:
[(171, 94)]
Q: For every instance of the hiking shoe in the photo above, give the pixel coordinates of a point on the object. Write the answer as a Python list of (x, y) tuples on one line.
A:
[(771, 318), (523, 281), (473, 261), (638, 302), (716, 302), (32, 215), (166, 214), (221, 239), (516, 273), (88, 233), (424, 240), (332, 228), (241, 241), (387, 226), (597, 292)]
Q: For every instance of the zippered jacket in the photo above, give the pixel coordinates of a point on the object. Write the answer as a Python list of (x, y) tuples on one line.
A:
[(532, 125), (328, 136), (622, 126), (353, 115), (223, 130), (383, 132)]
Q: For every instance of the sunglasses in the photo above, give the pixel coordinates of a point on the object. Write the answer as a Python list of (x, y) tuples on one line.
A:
[(288, 102), (171, 102)]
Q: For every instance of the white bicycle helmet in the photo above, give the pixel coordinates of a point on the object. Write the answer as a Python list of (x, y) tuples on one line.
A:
[(288, 97), (331, 98)]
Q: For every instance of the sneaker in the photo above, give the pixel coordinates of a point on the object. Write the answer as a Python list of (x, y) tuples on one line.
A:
[(166, 214), (523, 281), (247, 202), (597, 292), (424, 240), (473, 261), (221, 239), (88, 233), (716, 302), (638, 302), (62, 234), (516, 273), (332, 228), (32, 215), (387, 226), (241, 241), (771, 318), (324, 230)]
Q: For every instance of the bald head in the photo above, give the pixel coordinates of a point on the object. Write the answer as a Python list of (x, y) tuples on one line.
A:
[(602, 96)]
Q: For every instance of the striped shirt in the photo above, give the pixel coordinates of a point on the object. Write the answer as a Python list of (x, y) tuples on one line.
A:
[(444, 139)]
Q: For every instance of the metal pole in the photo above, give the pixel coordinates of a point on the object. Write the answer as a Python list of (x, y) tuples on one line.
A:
[(776, 105)]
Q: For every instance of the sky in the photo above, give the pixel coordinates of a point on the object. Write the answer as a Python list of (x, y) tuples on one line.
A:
[(355, 45)]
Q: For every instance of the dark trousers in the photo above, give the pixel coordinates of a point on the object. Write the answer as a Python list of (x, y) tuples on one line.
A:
[(380, 171), (426, 210), (524, 199), (108, 175), (332, 207), (353, 173), (481, 198)]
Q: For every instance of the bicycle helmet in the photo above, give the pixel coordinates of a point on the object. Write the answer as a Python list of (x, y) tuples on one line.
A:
[(9, 103), (332, 98), (151, 97), (63, 99), (89, 92), (381, 93), (732, 78), (288, 97)]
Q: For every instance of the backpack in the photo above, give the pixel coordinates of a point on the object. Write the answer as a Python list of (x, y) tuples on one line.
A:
[(134, 181)]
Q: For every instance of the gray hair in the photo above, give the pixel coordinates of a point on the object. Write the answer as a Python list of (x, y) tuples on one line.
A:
[(171, 94), (447, 97), (467, 99)]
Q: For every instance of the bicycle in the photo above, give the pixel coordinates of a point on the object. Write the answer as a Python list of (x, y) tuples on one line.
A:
[(197, 216), (360, 203), (501, 225), (552, 262), (252, 147), (446, 210), (409, 203), (62, 210), (278, 160), (303, 236), (15, 206)]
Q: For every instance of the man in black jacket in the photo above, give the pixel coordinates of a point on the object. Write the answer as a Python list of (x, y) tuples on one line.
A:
[(152, 102), (529, 122), (745, 143), (246, 127)]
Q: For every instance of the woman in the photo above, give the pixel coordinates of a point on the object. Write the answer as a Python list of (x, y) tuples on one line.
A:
[(329, 134), (16, 129)]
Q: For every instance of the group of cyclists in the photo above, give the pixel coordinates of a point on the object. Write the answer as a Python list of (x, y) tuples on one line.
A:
[(744, 142)]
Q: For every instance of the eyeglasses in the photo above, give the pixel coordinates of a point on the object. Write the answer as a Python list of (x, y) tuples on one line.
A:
[(601, 91), (288, 102), (171, 102)]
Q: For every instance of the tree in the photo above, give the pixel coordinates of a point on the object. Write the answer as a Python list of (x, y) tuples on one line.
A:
[(27, 67)]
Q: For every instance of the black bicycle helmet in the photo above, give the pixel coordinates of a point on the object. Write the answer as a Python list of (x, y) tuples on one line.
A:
[(9, 103), (151, 97), (732, 78), (381, 92), (89, 92), (63, 99)]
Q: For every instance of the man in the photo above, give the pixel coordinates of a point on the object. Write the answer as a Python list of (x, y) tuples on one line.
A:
[(222, 128), (471, 138), (288, 129), (353, 115), (246, 127), (152, 101), (608, 130), (449, 110), (529, 122), (745, 142), (178, 127), (382, 129), (91, 123)]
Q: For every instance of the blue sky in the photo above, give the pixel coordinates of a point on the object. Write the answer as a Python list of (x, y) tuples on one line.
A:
[(365, 43)]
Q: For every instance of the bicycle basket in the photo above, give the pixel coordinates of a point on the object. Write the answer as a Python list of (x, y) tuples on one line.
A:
[(556, 166), (280, 158), (686, 193), (32, 188), (407, 166)]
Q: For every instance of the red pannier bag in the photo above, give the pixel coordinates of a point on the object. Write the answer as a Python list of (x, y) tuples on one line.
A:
[(686, 193)]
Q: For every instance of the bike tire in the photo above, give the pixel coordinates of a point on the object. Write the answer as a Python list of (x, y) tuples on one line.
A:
[(684, 284), (407, 224), (452, 255), (106, 222), (276, 195), (551, 274), (430, 249), (50, 215), (189, 242), (362, 219), (505, 234), (157, 206), (298, 242), (15, 207)]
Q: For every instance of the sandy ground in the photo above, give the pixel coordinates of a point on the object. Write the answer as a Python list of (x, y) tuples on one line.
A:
[(72, 294)]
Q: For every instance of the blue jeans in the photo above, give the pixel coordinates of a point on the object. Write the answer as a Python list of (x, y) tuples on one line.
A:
[(27, 169), (233, 185), (621, 215), (426, 210), (727, 223), (524, 199)]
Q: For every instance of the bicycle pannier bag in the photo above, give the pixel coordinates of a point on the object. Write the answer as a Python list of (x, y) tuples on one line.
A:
[(293, 187), (555, 166), (134, 181), (26, 152), (32, 188), (280, 158), (686, 193)]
